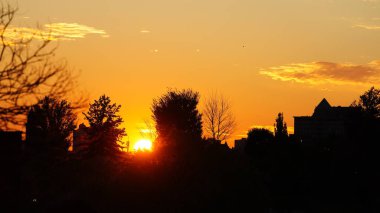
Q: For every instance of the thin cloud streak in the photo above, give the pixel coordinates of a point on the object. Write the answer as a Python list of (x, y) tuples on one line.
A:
[(367, 27), (144, 31), (370, 1), (317, 73), (54, 31)]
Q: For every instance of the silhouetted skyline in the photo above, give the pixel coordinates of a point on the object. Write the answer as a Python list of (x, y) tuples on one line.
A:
[(129, 106), (134, 51)]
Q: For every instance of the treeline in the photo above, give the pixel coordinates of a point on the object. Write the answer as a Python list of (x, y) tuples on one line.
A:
[(186, 171)]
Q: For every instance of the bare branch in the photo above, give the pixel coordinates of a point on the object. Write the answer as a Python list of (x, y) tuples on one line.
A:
[(28, 72), (218, 119)]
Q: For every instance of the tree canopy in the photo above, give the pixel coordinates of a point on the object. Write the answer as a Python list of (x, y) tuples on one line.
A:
[(51, 123), (369, 102), (178, 121), (104, 120), (260, 135)]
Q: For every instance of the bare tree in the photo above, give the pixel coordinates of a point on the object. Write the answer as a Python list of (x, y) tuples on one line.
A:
[(27, 71), (219, 121)]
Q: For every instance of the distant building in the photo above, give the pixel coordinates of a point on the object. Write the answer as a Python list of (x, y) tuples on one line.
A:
[(327, 122), (240, 145)]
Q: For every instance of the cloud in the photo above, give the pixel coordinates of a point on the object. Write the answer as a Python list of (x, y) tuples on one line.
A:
[(367, 27), (317, 73), (144, 31), (370, 1), (54, 31)]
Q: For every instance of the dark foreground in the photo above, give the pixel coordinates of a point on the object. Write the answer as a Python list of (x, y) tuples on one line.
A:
[(277, 178)]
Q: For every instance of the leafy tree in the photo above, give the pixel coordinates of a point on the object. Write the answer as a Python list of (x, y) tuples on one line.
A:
[(28, 71), (280, 128), (369, 102), (105, 130), (258, 136), (218, 119), (51, 124), (178, 121)]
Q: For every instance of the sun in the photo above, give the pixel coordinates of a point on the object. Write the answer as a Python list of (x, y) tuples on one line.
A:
[(143, 145)]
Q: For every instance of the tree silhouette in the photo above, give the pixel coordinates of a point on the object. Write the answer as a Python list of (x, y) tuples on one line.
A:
[(260, 135), (178, 121), (28, 71), (280, 128), (369, 102), (257, 136), (105, 130), (218, 120), (51, 124)]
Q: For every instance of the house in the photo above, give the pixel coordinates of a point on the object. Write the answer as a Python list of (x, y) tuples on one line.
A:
[(327, 123)]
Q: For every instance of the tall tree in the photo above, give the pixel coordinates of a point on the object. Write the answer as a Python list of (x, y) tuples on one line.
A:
[(369, 102), (105, 129), (28, 71), (280, 128), (218, 119), (178, 121), (51, 124)]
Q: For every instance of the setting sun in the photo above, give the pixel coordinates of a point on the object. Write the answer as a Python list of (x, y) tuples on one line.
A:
[(143, 145)]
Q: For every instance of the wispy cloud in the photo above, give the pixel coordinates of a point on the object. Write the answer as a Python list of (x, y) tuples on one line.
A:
[(370, 1), (144, 31), (54, 31), (326, 73), (367, 27)]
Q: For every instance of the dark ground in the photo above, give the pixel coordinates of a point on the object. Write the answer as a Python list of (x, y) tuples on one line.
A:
[(277, 178)]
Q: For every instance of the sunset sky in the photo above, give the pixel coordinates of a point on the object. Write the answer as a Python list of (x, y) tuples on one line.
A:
[(267, 56)]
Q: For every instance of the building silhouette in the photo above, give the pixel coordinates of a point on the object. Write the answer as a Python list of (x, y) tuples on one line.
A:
[(327, 123), (240, 145)]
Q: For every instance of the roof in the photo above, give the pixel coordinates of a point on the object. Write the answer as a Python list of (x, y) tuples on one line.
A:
[(322, 108), (324, 104), (325, 111)]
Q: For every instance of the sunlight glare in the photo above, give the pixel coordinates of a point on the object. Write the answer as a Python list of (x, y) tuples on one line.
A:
[(143, 145)]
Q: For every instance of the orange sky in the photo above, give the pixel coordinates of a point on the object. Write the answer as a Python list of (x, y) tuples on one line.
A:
[(266, 56)]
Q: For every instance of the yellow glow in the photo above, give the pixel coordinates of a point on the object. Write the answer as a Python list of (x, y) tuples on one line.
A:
[(143, 145)]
